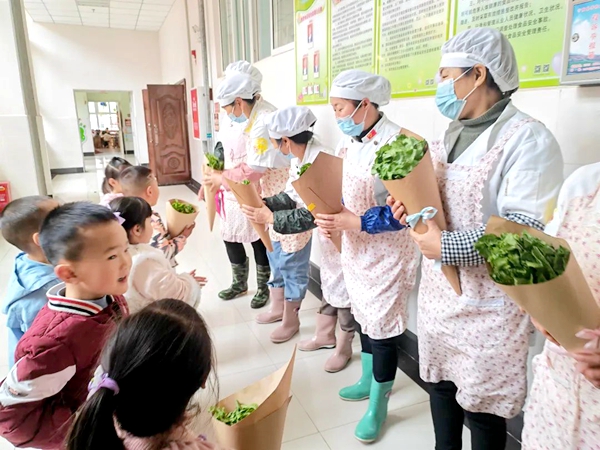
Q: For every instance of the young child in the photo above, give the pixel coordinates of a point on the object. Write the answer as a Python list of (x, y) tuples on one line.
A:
[(151, 276), (111, 187), (151, 368), (32, 276), (55, 358), (563, 409), (138, 181)]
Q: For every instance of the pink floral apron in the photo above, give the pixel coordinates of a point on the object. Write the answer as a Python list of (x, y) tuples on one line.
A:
[(332, 275), (379, 270), (563, 409), (234, 225), (273, 182), (479, 340)]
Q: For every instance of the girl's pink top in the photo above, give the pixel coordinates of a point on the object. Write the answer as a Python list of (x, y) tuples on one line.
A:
[(179, 440), (107, 198)]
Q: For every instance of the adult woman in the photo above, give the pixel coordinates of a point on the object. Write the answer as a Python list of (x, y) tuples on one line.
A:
[(493, 160), (379, 269), (248, 155)]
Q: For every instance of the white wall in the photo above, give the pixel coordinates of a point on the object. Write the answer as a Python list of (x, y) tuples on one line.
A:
[(71, 57), (83, 114)]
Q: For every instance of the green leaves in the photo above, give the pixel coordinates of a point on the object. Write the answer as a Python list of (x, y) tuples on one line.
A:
[(237, 415), (245, 182), (517, 260), (214, 162), (303, 169), (184, 208), (397, 159)]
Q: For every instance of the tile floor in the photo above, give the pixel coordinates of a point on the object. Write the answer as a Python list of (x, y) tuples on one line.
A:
[(317, 419)]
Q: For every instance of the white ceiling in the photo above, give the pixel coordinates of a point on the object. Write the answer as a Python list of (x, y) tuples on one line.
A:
[(124, 14)]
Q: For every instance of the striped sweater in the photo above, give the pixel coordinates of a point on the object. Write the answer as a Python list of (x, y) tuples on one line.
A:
[(55, 360)]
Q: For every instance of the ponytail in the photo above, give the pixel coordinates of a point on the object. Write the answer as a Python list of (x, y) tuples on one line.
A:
[(105, 186), (94, 427)]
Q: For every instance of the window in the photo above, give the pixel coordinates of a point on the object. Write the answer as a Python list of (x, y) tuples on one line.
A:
[(283, 22), (104, 115), (263, 19)]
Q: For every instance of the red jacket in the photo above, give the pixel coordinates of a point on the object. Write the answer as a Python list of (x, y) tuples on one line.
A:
[(56, 359)]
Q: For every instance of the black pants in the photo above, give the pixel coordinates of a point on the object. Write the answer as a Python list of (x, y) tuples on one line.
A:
[(237, 253), (488, 432), (385, 356)]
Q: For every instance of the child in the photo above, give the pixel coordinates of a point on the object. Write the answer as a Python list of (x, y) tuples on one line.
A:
[(563, 409), (55, 358), (155, 362), (138, 181), (111, 187), (32, 276), (151, 276)]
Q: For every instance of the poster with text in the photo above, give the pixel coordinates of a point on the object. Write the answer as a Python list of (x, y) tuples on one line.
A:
[(412, 33), (584, 49), (312, 51), (353, 36), (534, 27)]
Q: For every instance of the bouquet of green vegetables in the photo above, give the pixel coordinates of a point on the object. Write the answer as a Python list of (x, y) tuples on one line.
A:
[(245, 182), (522, 259), (214, 163), (397, 159), (237, 415), (303, 169), (182, 207)]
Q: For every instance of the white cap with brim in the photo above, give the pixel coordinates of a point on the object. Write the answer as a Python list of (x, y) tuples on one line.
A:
[(358, 85), (290, 121), (234, 86), (486, 46)]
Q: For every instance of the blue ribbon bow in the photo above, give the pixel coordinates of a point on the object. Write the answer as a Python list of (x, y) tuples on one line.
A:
[(425, 214)]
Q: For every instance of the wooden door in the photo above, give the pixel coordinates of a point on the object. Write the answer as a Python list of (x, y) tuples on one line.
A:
[(170, 140), (149, 129)]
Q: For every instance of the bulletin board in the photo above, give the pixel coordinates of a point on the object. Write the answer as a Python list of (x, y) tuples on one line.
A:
[(401, 40)]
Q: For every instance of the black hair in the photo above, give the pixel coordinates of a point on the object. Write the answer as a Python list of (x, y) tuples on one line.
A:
[(133, 210), (134, 180), (250, 101), (112, 170), (491, 84), (22, 218), (61, 233), (358, 102), (159, 358)]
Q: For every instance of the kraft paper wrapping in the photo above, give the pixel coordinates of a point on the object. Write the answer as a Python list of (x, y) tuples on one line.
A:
[(320, 188), (176, 221), (563, 306), (209, 198), (263, 429), (418, 190), (246, 194)]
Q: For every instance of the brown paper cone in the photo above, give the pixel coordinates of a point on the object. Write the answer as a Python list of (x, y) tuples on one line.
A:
[(563, 306), (246, 194), (320, 188), (209, 198), (418, 190), (176, 221), (263, 429)]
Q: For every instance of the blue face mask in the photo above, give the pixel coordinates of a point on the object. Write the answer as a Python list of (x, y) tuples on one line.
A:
[(348, 127), (241, 119), (447, 101), (289, 156)]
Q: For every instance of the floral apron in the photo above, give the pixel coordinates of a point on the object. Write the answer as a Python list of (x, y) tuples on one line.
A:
[(479, 340), (235, 227), (563, 409), (379, 270)]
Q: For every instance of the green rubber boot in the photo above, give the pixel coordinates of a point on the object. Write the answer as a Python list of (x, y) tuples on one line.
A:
[(362, 389), (263, 273), (369, 427), (239, 285)]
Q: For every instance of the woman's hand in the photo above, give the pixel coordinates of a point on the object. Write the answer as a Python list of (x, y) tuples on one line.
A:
[(588, 360), (343, 221), (214, 179), (398, 209), (544, 332), (258, 215), (430, 243)]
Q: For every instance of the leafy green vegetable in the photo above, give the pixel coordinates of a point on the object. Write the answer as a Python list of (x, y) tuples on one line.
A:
[(237, 415), (246, 182), (182, 207), (214, 162), (397, 159), (524, 259), (303, 169)]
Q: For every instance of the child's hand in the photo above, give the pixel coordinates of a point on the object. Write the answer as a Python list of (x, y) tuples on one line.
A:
[(187, 231), (200, 280), (201, 194)]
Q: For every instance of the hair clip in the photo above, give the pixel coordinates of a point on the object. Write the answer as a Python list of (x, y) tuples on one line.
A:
[(105, 382), (119, 218)]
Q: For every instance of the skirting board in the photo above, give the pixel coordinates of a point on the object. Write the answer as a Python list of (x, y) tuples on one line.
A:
[(408, 362), (65, 171), (89, 154), (194, 186)]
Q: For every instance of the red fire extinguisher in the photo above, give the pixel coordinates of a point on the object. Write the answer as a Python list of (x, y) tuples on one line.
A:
[(4, 194)]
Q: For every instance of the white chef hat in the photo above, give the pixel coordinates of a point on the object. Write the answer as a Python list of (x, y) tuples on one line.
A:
[(358, 85), (290, 121), (234, 86), (486, 46), (247, 68)]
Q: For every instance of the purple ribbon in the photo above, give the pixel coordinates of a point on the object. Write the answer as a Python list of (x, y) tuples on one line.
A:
[(105, 382), (119, 218)]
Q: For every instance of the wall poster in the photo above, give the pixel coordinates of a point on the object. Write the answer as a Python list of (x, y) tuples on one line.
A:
[(312, 51), (534, 27), (584, 50)]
